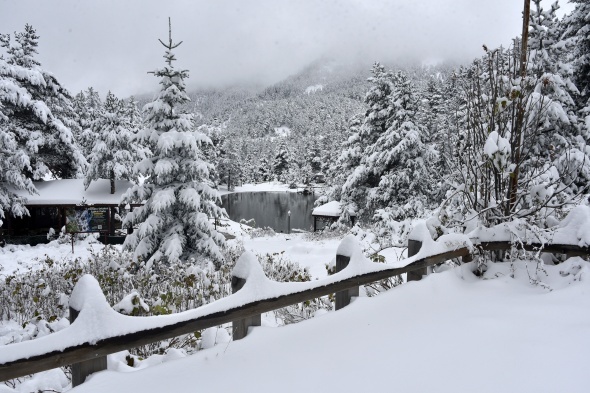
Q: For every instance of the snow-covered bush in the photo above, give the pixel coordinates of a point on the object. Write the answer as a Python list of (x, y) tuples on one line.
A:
[(35, 303)]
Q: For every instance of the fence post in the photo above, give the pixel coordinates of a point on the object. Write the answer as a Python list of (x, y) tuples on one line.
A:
[(343, 297), (240, 327), (467, 258), (83, 369), (413, 248)]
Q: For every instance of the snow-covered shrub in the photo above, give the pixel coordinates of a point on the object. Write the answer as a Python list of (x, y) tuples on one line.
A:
[(262, 232), (35, 303), (278, 268)]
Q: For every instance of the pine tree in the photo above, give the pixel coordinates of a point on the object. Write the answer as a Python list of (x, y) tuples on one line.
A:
[(386, 157), (399, 157), (576, 35), (173, 223), (281, 162), (229, 164), (40, 116), (114, 151)]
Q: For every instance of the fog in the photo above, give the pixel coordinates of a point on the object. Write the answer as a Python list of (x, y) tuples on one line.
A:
[(112, 44)]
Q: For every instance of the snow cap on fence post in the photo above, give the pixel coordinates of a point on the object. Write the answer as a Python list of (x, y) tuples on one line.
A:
[(248, 267), (418, 239), (247, 271), (88, 295), (87, 291), (349, 247)]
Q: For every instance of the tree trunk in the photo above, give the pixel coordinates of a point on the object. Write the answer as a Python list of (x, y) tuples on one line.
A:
[(112, 181), (513, 188)]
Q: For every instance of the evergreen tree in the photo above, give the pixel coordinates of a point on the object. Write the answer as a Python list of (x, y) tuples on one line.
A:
[(387, 157), (576, 35), (229, 162), (41, 115), (281, 162), (399, 158), (114, 152), (173, 223)]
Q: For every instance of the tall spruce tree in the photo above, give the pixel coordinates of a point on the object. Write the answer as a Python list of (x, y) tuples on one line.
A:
[(282, 161), (114, 152), (36, 117), (173, 223), (41, 115), (388, 156)]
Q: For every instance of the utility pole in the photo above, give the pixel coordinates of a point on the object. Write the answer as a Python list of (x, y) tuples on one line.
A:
[(519, 126)]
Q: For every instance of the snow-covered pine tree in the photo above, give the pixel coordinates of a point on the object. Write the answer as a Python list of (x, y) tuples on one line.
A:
[(559, 131), (42, 116), (282, 161), (399, 158), (173, 223), (14, 154), (229, 164), (346, 162), (389, 148), (88, 108), (576, 34), (114, 151), (265, 172), (354, 190)]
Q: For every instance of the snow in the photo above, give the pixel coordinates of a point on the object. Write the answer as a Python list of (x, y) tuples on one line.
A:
[(501, 310), (259, 187), (282, 132), (19, 258), (98, 321), (247, 267), (330, 209), (348, 246), (450, 332), (313, 89), (497, 148), (575, 228), (72, 192)]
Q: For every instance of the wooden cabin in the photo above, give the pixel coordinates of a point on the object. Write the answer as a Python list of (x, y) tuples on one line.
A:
[(327, 214), (65, 203)]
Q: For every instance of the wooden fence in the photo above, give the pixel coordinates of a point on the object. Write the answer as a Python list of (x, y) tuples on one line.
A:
[(88, 358)]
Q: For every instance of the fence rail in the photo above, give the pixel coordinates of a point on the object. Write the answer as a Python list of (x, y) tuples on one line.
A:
[(87, 358)]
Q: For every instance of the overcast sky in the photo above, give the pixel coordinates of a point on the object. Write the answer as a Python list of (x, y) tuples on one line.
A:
[(112, 44)]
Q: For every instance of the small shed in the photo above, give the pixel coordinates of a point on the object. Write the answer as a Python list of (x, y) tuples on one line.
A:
[(65, 202), (327, 214)]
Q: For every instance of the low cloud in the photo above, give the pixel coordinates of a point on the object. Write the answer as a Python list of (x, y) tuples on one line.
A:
[(112, 44)]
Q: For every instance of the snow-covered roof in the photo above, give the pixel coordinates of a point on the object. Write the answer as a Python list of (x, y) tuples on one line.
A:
[(72, 192), (330, 209)]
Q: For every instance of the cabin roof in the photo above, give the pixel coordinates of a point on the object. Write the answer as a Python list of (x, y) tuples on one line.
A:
[(72, 192), (330, 209)]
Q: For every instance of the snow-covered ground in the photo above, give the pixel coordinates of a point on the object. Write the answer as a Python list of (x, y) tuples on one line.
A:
[(259, 187), (15, 258), (451, 332)]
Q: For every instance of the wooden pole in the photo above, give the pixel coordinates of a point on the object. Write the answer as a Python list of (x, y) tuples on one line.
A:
[(343, 297), (513, 185), (240, 326), (83, 369), (413, 249)]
